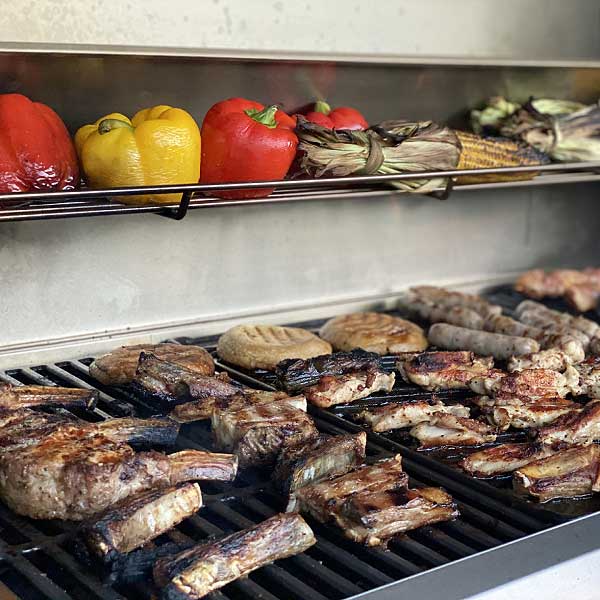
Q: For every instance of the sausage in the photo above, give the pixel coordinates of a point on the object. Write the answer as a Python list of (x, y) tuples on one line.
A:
[(443, 297), (435, 313), (552, 325), (484, 343), (586, 326)]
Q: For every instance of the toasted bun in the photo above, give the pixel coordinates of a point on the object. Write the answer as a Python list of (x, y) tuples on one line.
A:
[(263, 346), (118, 367), (374, 332)]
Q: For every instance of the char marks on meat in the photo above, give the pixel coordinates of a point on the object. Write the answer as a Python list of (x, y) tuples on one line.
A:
[(566, 474), (577, 427), (173, 384), (207, 567), (447, 430), (408, 414), (443, 370), (319, 458), (502, 459), (23, 396), (139, 519), (297, 374)]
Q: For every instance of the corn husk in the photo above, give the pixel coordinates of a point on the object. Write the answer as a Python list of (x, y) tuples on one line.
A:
[(566, 131), (391, 147)]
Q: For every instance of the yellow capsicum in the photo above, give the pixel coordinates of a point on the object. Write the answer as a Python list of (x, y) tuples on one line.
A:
[(159, 146)]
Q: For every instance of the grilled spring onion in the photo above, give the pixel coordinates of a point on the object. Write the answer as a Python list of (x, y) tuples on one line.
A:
[(566, 131), (391, 147)]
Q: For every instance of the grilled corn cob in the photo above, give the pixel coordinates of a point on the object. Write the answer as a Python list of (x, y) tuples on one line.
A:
[(479, 152)]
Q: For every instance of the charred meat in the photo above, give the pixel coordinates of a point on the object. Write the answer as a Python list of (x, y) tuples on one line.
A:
[(256, 434), (408, 414), (566, 474), (139, 519), (372, 519), (443, 370), (173, 384), (118, 367), (502, 459), (23, 396), (531, 383), (320, 500), (196, 572), (576, 427), (320, 458), (524, 413), (447, 430)]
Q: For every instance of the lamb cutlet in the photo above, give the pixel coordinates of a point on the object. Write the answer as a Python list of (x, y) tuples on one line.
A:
[(55, 467), (257, 433), (565, 474), (448, 430), (337, 378), (138, 519), (173, 384), (398, 415), (502, 459), (199, 570), (443, 370), (531, 383), (319, 458), (580, 427), (118, 367), (198, 410), (523, 412), (372, 503), (23, 396)]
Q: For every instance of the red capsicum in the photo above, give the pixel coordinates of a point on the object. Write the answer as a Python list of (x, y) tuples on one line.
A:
[(342, 117), (244, 141), (36, 150)]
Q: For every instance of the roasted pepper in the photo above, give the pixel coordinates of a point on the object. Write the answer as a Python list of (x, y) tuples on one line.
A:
[(244, 141), (36, 151), (159, 146), (342, 117)]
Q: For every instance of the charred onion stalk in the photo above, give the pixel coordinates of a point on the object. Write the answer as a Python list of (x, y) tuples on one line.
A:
[(566, 131), (388, 148)]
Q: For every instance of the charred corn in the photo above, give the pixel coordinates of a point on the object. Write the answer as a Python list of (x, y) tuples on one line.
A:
[(479, 152)]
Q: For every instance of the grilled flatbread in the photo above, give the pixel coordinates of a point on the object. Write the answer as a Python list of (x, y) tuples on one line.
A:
[(118, 367), (263, 346), (374, 332)]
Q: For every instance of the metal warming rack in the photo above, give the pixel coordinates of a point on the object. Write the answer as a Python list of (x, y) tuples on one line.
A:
[(87, 203), (38, 559)]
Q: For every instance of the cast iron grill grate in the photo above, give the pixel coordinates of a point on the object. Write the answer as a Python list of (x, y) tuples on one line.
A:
[(38, 559)]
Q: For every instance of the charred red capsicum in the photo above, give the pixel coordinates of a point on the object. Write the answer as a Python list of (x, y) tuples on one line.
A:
[(36, 150), (342, 117), (244, 141)]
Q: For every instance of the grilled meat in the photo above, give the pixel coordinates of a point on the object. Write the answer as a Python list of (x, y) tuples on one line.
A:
[(547, 317), (571, 347), (502, 459), (295, 375), (206, 567), (319, 458), (583, 297), (447, 430), (566, 474), (173, 384), (138, 519), (442, 297), (371, 519), (343, 389), (421, 308), (531, 383), (55, 467), (198, 410), (554, 360), (23, 396), (322, 499), (443, 370), (256, 434), (577, 427), (373, 332), (407, 414), (157, 431), (524, 413), (119, 366), (589, 378)]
